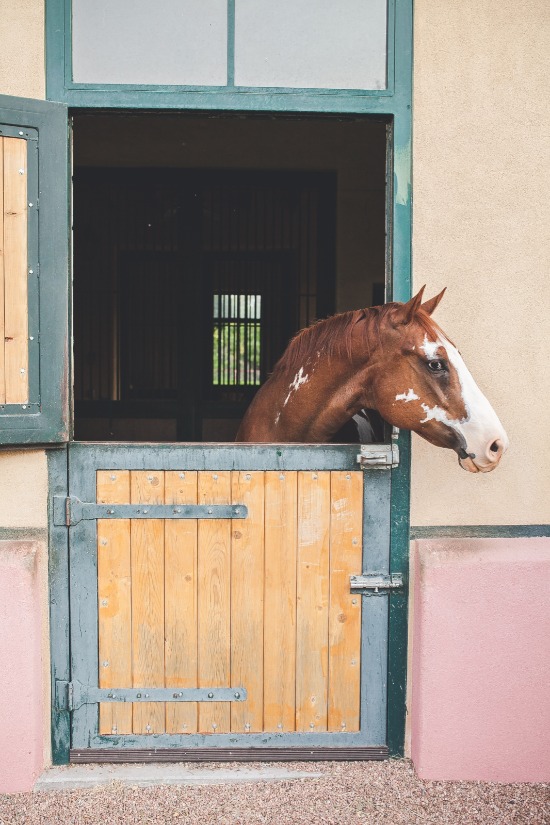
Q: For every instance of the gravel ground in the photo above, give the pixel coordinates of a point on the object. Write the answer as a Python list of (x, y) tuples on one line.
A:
[(347, 794)]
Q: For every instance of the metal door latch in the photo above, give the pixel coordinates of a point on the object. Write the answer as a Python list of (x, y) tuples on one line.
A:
[(376, 584), (378, 456)]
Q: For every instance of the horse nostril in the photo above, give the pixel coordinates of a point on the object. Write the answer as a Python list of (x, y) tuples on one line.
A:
[(495, 447)]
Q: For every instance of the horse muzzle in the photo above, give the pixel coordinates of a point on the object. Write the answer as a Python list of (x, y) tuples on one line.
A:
[(487, 460)]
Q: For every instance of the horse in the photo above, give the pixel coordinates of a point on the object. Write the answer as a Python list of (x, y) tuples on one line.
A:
[(393, 359)]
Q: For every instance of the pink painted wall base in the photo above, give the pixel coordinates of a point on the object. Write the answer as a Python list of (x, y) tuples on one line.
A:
[(21, 708), (481, 660)]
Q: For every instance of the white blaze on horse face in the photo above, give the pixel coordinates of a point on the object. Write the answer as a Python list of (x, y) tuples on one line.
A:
[(430, 347), (295, 385), (480, 427), (407, 396)]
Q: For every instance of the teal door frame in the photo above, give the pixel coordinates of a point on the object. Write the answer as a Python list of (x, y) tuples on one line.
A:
[(75, 717), (393, 103)]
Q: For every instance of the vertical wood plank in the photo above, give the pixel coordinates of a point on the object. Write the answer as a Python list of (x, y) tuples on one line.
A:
[(147, 536), (180, 548), (247, 601), (16, 352), (345, 608), (2, 285), (312, 601), (114, 601), (281, 525), (214, 595)]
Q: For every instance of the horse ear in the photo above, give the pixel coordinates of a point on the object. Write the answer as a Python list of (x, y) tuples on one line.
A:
[(408, 311), (431, 305)]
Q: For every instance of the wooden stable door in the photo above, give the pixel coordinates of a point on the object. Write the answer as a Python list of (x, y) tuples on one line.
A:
[(211, 597), (262, 603)]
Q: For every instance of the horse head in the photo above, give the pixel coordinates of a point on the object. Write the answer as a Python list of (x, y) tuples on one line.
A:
[(419, 382)]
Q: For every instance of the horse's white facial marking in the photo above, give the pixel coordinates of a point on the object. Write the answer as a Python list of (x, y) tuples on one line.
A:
[(430, 347), (277, 417), (295, 385), (480, 427), (407, 396), (437, 414)]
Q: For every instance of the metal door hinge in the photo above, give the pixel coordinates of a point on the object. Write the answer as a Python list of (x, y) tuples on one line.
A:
[(378, 456), (69, 510), (72, 695), (376, 584)]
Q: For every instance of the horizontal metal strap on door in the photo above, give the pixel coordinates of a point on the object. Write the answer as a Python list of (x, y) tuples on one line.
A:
[(72, 695), (376, 584), (378, 456), (69, 510)]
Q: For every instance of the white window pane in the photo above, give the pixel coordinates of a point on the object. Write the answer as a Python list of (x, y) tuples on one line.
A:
[(168, 42), (324, 44)]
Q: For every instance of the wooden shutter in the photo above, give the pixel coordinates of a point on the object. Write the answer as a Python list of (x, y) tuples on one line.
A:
[(34, 375)]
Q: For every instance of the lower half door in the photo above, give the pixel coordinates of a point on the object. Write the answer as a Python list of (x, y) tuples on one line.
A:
[(213, 605)]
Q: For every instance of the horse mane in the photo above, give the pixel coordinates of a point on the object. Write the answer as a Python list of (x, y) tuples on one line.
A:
[(333, 336)]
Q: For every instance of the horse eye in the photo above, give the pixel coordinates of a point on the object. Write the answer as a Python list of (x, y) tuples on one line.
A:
[(437, 366)]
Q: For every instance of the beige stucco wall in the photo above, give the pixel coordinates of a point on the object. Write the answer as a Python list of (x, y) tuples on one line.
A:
[(22, 48), (23, 489), (481, 227)]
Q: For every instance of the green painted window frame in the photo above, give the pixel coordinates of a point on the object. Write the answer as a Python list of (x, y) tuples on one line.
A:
[(45, 418), (393, 103), (60, 85)]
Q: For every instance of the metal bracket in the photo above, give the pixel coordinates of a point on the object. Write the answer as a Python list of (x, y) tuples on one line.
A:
[(69, 510), (376, 584), (378, 456), (72, 695)]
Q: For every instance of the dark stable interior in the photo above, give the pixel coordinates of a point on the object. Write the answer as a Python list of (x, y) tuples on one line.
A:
[(193, 267)]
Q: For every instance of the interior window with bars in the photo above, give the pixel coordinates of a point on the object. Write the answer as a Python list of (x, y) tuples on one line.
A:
[(237, 340)]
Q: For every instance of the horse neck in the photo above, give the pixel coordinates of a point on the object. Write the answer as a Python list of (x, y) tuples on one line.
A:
[(320, 396)]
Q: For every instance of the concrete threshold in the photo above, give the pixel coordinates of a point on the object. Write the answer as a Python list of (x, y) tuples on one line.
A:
[(68, 777)]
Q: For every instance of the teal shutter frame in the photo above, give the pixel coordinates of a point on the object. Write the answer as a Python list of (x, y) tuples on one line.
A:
[(45, 419)]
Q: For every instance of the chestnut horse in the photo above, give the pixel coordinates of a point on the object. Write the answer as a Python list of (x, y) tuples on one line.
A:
[(394, 359)]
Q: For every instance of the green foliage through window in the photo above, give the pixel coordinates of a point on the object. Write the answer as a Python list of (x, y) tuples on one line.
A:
[(236, 340)]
